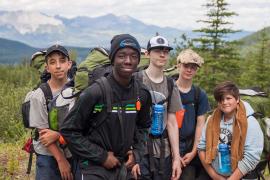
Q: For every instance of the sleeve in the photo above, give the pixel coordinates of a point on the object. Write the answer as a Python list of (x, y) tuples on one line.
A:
[(77, 124), (175, 101), (202, 143), (143, 124), (38, 110), (203, 107), (253, 146)]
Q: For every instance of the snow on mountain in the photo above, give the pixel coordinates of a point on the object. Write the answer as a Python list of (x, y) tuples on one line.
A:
[(29, 22)]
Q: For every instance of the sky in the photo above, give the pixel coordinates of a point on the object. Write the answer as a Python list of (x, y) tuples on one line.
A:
[(253, 15)]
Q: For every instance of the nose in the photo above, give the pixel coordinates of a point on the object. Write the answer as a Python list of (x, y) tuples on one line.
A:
[(162, 53), (128, 60), (58, 64)]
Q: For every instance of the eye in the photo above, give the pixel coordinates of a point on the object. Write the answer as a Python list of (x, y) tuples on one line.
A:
[(62, 60), (134, 56), (121, 56), (51, 62)]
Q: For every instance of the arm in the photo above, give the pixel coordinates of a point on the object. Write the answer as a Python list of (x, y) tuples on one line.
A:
[(253, 147), (199, 126), (63, 164), (77, 124), (173, 134), (142, 125), (210, 170)]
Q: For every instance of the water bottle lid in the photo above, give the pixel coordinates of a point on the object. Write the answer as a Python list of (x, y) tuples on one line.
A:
[(223, 146), (159, 107)]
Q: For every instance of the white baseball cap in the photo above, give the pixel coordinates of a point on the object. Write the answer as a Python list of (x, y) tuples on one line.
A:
[(158, 42)]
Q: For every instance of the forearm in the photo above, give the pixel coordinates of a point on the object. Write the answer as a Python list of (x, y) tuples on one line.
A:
[(198, 132), (173, 134), (56, 152), (236, 174), (141, 136), (81, 146), (208, 167)]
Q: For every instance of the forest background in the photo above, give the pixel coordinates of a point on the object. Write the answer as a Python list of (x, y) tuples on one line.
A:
[(245, 61)]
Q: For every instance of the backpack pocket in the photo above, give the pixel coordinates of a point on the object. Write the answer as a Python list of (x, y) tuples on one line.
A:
[(26, 114), (57, 115)]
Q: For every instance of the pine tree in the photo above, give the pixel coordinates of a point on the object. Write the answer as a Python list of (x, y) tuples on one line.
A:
[(221, 59), (256, 65)]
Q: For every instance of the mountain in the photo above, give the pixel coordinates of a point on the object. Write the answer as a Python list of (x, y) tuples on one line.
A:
[(251, 42), (13, 52), (41, 30)]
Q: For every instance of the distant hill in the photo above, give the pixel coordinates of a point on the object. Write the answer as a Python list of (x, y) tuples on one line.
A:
[(248, 43), (40, 30), (14, 52)]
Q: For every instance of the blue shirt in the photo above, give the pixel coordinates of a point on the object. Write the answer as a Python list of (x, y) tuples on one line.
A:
[(187, 131)]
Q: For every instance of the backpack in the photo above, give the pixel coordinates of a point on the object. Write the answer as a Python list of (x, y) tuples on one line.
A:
[(260, 102), (56, 115), (97, 64)]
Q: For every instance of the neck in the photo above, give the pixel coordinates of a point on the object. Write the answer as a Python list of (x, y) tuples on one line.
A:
[(57, 84), (228, 117), (122, 81), (155, 73), (183, 84)]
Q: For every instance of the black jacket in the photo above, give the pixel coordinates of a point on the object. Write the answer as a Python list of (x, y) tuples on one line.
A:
[(107, 137)]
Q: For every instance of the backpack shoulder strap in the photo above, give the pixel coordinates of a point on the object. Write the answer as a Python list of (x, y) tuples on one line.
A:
[(106, 91), (196, 98), (170, 85), (47, 92)]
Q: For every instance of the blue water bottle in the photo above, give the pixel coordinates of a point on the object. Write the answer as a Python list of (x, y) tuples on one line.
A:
[(157, 120), (224, 159)]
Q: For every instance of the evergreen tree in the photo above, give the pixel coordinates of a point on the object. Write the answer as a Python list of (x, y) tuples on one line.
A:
[(221, 59), (256, 65)]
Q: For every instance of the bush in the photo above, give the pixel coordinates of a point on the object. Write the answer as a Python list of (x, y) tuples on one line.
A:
[(15, 82)]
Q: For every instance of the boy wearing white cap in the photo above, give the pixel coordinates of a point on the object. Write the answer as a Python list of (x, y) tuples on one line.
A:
[(162, 159)]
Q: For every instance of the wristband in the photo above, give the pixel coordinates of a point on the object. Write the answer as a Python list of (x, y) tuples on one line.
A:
[(62, 140)]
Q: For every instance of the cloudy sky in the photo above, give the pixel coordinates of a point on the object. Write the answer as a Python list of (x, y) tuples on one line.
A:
[(181, 14)]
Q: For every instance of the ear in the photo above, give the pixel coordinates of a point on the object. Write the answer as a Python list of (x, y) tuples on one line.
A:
[(147, 54), (69, 64), (238, 100), (46, 67)]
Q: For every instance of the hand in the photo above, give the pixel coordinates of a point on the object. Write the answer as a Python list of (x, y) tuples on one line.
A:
[(131, 160), (188, 157), (48, 136), (182, 162), (135, 171), (176, 169), (65, 169), (111, 161)]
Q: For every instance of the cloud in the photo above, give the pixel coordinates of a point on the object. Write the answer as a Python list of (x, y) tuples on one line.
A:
[(174, 13)]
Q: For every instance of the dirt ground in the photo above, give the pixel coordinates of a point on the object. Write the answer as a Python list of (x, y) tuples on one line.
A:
[(13, 163)]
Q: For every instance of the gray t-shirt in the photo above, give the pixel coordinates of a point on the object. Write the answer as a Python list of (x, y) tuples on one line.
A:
[(39, 114), (159, 91)]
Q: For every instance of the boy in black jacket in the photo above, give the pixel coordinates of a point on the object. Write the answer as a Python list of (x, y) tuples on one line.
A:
[(107, 127)]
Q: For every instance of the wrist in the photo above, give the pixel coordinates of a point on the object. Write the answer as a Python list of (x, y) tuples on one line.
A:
[(61, 139)]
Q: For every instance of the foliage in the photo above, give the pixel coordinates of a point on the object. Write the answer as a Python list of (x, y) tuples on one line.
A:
[(256, 68), (15, 82), (220, 56)]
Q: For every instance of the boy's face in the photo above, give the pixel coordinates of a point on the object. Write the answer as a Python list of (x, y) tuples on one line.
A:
[(58, 65), (187, 71), (125, 62), (158, 57), (228, 104)]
